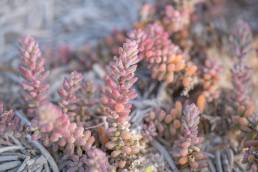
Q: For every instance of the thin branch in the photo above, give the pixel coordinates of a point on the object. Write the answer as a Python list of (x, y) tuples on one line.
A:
[(143, 103), (95, 126)]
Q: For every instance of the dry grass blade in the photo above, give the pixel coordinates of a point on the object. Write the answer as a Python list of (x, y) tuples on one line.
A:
[(23, 165), (8, 158), (10, 148), (211, 166), (45, 153), (218, 162), (9, 165), (164, 153)]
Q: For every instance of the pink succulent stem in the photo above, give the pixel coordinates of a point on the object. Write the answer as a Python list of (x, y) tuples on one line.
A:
[(33, 71), (119, 82)]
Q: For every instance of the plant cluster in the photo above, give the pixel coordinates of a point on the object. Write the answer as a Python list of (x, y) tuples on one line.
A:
[(154, 107)]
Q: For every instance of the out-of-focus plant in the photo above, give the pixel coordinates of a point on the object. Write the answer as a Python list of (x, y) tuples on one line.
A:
[(159, 121), (251, 145), (210, 77), (95, 161), (48, 118), (53, 125), (175, 20), (69, 99), (164, 59), (162, 124), (187, 148), (244, 105), (10, 123), (241, 73)]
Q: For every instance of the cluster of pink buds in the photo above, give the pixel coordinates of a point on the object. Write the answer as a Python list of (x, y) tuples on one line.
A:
[(126, 145), (98, 161), (119, 82), (187, 148), (241, 40), (155, 47), (10, 123), (166, 125), (210, 78), (51, 124), (33, 71), (175, 20), (94, 161), (241, 74), (164, 58), (55, 127), (241, 82), (68, 91)]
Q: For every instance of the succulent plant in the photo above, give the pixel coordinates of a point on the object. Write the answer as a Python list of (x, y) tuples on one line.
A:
[(187, 148), (136, 113)]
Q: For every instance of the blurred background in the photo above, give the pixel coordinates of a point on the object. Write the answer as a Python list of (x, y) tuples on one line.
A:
[(72, 22), (76, 22)]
